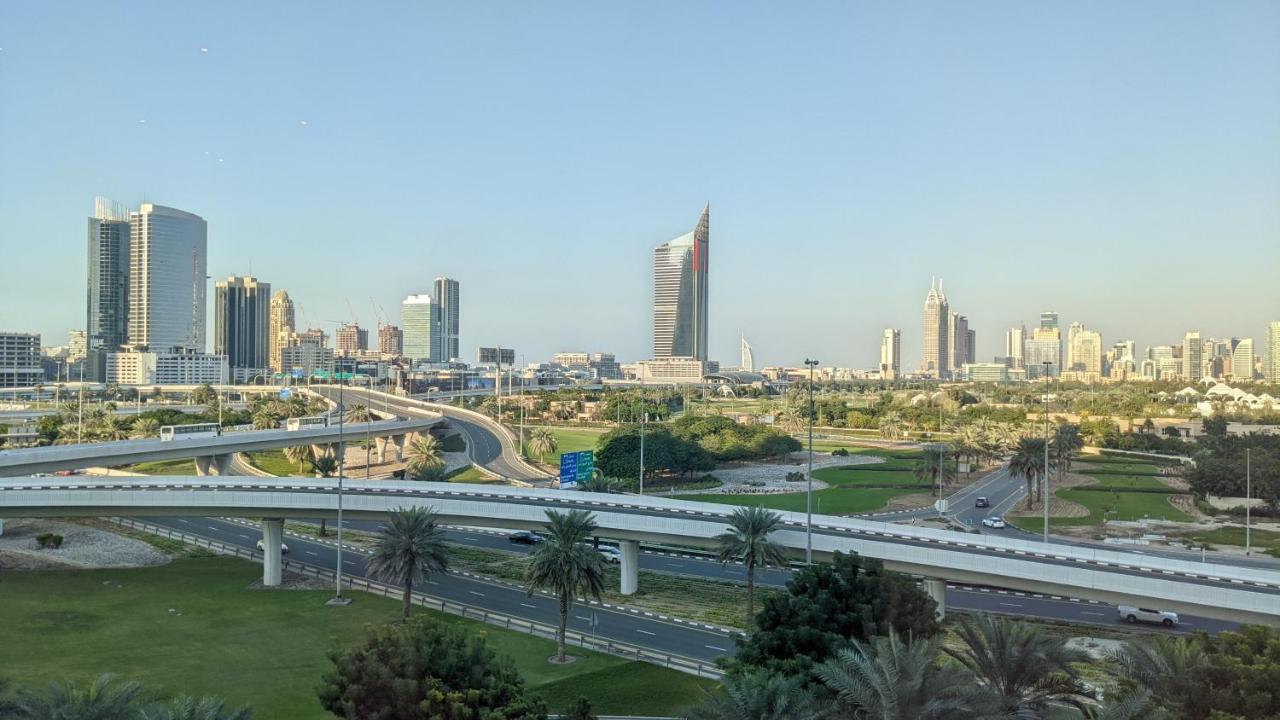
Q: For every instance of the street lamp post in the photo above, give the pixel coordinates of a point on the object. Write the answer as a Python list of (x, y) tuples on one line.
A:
[(942, 459), (338, 599), (643, 416), (1248, 493), (1044, 483), (808, 505)]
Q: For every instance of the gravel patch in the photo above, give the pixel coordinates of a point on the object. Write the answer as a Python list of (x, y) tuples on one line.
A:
[(82, 547), (774, 475)]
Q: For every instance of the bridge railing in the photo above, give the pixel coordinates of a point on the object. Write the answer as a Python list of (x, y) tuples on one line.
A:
[(588, 641)]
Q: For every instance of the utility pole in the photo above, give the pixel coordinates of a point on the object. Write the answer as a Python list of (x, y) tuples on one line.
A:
[(1044, 484), (942, 458), (1248, 493), (643, 416), (338, 599), (808, 504)]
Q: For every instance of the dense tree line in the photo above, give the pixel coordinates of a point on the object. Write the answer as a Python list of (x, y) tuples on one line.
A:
[(690, 444)]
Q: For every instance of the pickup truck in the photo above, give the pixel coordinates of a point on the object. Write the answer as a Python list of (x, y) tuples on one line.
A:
[(1132, 614)]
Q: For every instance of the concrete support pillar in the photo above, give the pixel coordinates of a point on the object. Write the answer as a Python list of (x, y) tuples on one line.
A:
[(937, 590), (272, 533), (204, 465), (222, 463), (398, 442), (380, 444), (630, 566)]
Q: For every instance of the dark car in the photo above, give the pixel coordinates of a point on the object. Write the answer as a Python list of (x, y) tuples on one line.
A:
[(524, 537), (982, 502)]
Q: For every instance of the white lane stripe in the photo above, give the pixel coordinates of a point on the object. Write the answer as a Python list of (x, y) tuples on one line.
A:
[(1012, 604), (1094, 614), (646, 632), (477, 594), (717, 649), (535, 607)]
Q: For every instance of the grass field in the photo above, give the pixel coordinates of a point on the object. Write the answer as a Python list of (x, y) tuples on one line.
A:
[(1263, 541), (274, 462), (1108, 506), (471, 474), (569, 440), (193, 626), (164, 467), (832, 501), (875, 475)]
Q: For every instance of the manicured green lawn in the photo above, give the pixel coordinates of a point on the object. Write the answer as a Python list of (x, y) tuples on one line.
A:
[(866, 475), (164, 467), (471, 474), (193, 626), (1129, 482), (569, 440), (1260, 540), (1108, 506), (1089, 462), (832, 501), (274, 462)]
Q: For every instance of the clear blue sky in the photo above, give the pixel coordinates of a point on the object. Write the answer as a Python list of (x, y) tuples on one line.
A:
[(1117, 162)]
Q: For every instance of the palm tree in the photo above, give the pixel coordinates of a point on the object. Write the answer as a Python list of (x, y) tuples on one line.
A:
[(1028, 463), (599, 484), (423, 452), (189, 708), (933, 457), (542, 441), (409, 550), (758, 695), (300, 454), (566, 564), (1167, 666), (1135, 705), (105, 699), (265, 419), (112, 427), (324, 465), (892, 680), (890, 425), (1065, 444), (1019, 667), (359, 414), (747, 540), (144, 428)]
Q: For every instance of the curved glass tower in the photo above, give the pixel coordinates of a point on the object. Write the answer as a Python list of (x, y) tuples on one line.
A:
[(680, 293)]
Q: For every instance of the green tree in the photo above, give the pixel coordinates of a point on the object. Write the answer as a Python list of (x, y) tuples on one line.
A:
[(1019, 667), (359, 414), (933, 457), (410, 548), (1240, 680), (888, 679), (324, 465), (891, 425), (300, 454), (422, 453), (265, 419), (1063, 447), (49, 429), (827, 605), (424, 670), (1028, 463), (204, 395), (567, 565), (104, 699), (1168, 668), (144, 427), (579, 710), (747, 541), (543, 442), (757, 695), (189, 708)]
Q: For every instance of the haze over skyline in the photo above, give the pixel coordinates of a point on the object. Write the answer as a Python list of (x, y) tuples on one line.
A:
[(1078, 159)]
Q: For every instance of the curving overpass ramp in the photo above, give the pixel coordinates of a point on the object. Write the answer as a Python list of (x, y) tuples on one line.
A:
[(1217, 591)]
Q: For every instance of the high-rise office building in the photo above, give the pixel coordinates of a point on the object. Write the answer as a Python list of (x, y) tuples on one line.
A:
[(957, 342), (748, 362), (1242, 360), (1045, 346), (390, 341), (1271, 363), (1086, 350), (937, 320), (351, 339), (1014, 341), (970, 345), (167, 265), (242, 324), (420, 326), (1072, 331), (281, 329), (107, 324), (20, 356), (1049, 320), (314, 337), (680, 293), (891, 354), (1192, 357), (77, 345), (447, 298)]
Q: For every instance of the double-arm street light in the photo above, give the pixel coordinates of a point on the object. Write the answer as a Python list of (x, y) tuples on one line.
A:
[(808, 526), (1044, 483)]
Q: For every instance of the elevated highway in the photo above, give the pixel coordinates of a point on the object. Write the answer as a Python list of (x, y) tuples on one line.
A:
[(1210, 590)]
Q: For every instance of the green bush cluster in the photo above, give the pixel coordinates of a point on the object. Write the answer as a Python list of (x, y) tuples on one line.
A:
[(49, 540)]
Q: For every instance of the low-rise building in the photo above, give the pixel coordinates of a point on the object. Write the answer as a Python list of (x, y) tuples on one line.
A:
[(675, 370), (148, 368)]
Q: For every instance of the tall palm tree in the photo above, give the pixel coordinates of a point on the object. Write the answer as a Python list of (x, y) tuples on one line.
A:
[(1166, 666), (933, 457), (543, 442), (189, 708), (889, 679), (144, 428), (423, 452), (1065, 444), (410, 548), (566, 564), (324, 465), (747, 541), (104, 699), (1019, 667), (359, 414), (891, 425), (758, 695), (1028, 463), (300, 454), (264, 419), (112, 427)]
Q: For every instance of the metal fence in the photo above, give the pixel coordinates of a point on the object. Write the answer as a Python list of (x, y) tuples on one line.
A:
[(548, 632)]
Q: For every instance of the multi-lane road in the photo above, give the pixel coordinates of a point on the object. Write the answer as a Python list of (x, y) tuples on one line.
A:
[(665, 635)]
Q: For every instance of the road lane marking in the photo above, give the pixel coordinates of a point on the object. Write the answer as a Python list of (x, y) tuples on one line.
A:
[(535, 607), (717, 649), (1094, 614), (246, 537), (577, 616), (310, 553), (477, 594), (646, 632), (1012, 604)]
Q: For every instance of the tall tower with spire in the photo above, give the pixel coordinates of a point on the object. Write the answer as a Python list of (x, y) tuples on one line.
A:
[(937, 319), (680, 293), (748, 358)]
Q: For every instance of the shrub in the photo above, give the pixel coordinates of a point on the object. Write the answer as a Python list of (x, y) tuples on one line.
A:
[(840, 452), (49, 540), (795, 477), (754, 483)]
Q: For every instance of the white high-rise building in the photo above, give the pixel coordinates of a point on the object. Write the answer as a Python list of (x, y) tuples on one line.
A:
[(420, 328), (167, 279), (282, 328), (1073, 330), (1084, 349), (937, 321), (1271, 363), (1242, 360), (891, 354), (748, 358), (1015, 340), (680, 293), (447, 294), (1192, 357)]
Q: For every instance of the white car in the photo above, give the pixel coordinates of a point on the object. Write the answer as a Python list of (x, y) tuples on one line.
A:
[(1132, 614), (283, 548), (611, 554), (994, 522)]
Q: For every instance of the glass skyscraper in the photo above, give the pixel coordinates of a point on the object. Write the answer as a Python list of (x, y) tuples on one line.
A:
[(107, 324), (167, 268), (420, 328), (447, 298), (680, 293), (242, 322)]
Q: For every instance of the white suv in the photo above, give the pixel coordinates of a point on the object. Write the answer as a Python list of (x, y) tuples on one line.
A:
[(1132, 614)]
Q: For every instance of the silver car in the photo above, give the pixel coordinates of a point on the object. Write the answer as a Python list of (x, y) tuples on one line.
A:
[(1132, 614)]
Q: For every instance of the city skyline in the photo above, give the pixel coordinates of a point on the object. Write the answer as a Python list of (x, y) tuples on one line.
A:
[(1090, 176)]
